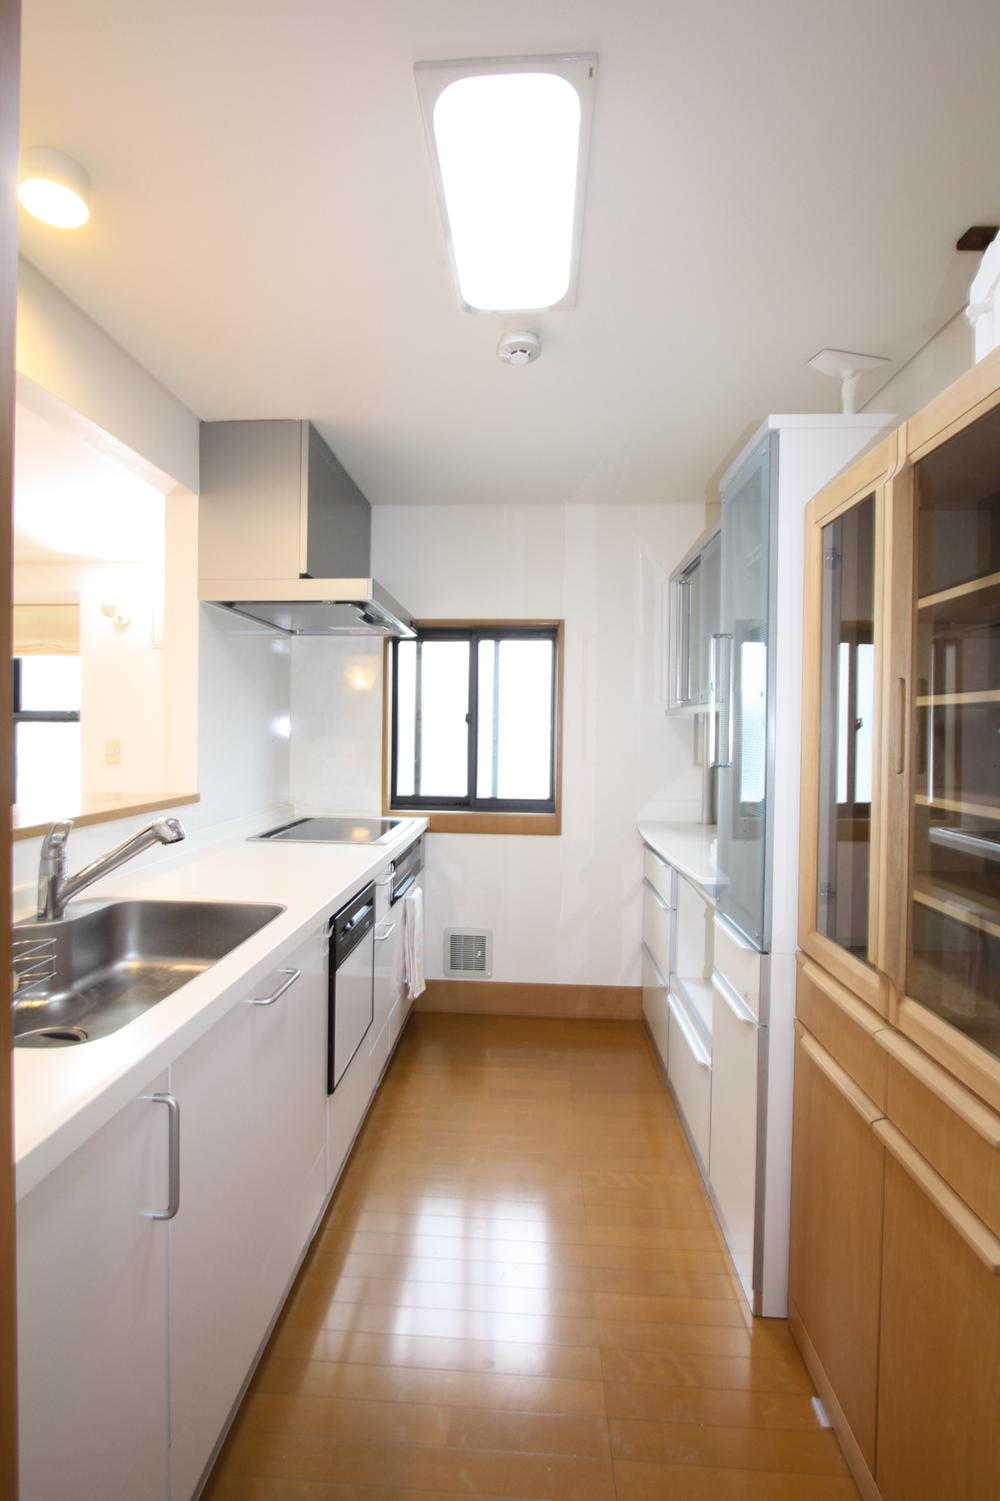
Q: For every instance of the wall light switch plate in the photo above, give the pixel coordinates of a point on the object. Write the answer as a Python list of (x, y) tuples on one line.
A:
[(112, 752)]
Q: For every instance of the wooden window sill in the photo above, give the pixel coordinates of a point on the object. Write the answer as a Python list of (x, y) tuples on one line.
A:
[(474, 822)]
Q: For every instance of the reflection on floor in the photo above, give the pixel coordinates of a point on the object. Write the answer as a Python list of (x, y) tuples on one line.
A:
[(520, 1291)]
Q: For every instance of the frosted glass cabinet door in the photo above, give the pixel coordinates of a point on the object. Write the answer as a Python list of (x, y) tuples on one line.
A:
[(953, 960), (740, 727)]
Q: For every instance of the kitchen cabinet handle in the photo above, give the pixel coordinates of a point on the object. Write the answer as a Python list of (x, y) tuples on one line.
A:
[(977, 1236), (839, 1078), (286, 984), (404, 888), (721, 709), (899, 726), (390, 928), (658, 857), (733, 1000), (173, 1158), (699, 1052), (657, 971), (657, 897)]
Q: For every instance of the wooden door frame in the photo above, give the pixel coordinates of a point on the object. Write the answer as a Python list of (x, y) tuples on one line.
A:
[(870, 475), (10, 39)]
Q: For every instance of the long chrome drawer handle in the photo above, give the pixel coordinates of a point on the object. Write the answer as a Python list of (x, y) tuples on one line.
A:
[(697, 1048), (733, 999), (657, 971), (657, 896), (174, 1157), (390, 928), (269, 1000)]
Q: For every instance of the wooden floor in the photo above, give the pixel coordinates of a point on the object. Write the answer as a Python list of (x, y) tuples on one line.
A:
[(520, 1291)]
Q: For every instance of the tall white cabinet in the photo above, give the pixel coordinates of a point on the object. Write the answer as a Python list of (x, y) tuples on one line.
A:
[(730, 996)]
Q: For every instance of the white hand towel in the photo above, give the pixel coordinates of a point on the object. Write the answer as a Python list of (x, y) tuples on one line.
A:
[(413, 942)]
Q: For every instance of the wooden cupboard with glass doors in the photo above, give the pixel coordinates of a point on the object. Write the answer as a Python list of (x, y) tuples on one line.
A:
[(895, 1240)]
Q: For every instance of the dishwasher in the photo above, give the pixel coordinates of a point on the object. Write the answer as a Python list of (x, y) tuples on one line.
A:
[(352, 971)]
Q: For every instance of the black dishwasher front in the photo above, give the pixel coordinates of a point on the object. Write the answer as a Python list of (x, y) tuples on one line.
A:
[(352, 961)]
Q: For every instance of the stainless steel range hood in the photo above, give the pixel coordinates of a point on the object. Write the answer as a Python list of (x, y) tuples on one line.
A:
[(313, 607), (284, 534)]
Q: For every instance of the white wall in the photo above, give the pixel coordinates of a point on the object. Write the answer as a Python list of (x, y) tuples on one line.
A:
[(65, 353), (562, 909), (122, 670), (941, 360), (244, 704), (337, 724)]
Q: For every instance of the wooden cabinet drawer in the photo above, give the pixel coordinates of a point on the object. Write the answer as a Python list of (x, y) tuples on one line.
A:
[(938, 1416), (836, 1233), (947, 1124), (690, 1073), (738, 962), (845, 1026), (657, 921), (658, 873)]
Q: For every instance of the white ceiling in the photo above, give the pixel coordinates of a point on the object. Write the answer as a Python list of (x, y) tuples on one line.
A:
[(765, 179)]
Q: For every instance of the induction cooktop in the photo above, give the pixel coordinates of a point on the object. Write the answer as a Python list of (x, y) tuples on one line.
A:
[(333, 830)]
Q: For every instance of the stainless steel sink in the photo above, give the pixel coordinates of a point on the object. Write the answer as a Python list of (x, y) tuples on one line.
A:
[(88, 974)]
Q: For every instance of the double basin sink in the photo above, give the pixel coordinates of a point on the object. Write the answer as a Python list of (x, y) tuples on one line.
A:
[(84, 976)]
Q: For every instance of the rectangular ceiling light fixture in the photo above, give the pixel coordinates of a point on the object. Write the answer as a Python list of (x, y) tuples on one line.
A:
[(509, 141)]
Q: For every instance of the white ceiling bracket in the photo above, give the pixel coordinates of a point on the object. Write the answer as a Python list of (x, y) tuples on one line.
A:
[(847, 367)]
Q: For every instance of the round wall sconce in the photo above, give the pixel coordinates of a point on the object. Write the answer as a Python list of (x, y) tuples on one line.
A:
[(54, 188)]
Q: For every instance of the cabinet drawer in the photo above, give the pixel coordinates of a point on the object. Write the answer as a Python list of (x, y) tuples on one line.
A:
[(738, 963), (657, 920), (845, 1026), (947, 1124), (733, 1162), (689, 1070), (658, 873), (654, 1004)]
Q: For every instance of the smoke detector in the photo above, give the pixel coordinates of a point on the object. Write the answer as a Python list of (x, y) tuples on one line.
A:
[(519, 349), (846, 366)]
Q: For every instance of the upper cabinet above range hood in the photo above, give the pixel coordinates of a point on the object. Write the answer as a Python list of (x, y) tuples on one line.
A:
[(284, 534)]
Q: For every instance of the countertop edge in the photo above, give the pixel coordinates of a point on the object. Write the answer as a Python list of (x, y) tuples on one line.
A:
[(689, 848)]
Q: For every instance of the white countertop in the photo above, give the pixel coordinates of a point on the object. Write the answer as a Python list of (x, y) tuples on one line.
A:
[(689, 847), (62, 1097)]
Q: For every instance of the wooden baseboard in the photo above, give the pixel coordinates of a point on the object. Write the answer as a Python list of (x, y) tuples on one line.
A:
[(862, 1476), (505, 998)]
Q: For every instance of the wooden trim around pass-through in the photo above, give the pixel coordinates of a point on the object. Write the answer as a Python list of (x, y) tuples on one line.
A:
[(475, 820), (10, 44)]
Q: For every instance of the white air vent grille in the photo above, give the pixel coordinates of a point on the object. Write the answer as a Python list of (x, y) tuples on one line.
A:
[(468, 951)]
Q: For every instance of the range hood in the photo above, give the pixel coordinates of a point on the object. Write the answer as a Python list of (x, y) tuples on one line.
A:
[(284, 534)]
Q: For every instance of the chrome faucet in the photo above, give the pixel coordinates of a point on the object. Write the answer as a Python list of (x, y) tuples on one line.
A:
[(55, 889)]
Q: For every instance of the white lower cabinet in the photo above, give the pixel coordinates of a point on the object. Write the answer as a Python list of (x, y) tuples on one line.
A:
[(252, 1102), (654, 1005), (689, 1069), (137, 1332), (92, 1315), (733, 1159)]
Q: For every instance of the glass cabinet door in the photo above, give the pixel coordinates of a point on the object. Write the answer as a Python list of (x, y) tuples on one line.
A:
[(742, 750), (846, 729), (953, 958)]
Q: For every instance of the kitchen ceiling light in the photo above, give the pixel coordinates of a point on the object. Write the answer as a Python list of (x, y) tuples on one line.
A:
[(509, 144), (55, 189)]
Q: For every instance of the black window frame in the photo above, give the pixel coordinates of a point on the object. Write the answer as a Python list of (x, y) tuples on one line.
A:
[(30, 716), (471, 803)]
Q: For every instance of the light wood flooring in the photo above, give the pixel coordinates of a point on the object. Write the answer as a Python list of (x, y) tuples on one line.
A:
[(520, 1291)]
